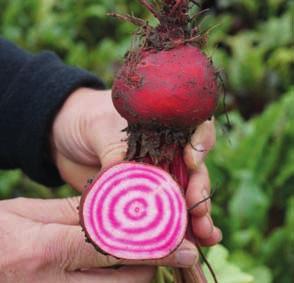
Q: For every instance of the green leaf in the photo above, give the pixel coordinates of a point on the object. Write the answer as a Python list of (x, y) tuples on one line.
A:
[(94, 11), (243, 259), (247, 69), (273, 244), (226, 272), (8, 181), (249, 204), (276, 32), (261, 274)]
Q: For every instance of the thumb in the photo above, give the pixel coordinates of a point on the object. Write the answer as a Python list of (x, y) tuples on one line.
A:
[(106, 136), (185, 255), (82, 255), (130, 274), (109, 145), (113, 154)]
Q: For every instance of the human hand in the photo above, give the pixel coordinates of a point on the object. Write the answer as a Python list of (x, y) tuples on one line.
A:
[(198, 189), (87, 134), (41, 242)]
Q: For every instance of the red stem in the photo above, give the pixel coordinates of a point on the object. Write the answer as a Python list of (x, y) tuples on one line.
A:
[(179, 170)]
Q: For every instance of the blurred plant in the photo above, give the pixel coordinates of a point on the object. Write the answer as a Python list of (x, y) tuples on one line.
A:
[(254, 48), (253, 169)]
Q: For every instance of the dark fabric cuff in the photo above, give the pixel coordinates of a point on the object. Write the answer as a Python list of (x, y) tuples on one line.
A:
[(32, 101)]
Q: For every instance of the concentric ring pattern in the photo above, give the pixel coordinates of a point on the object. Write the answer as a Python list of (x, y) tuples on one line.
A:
[(135, 211)]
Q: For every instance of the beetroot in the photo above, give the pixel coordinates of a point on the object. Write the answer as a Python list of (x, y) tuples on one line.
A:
[(134, 211), (165, 89), (166, 86), (173, 88)]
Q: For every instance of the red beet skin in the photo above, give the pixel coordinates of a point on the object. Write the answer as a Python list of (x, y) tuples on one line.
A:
[(134, 211), (173, 88)]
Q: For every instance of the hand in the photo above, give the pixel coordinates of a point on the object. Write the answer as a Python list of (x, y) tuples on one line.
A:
[(41, 242), (87, 134), (198, 189)]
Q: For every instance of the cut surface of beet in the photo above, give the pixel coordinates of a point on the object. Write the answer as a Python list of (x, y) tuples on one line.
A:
[(134, 211)]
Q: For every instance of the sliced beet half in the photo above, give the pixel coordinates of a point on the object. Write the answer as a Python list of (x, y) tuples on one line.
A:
[(134, 211)]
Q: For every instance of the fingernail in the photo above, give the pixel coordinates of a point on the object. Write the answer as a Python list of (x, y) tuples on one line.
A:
[(220, 235), (186, 257), (199, 154)]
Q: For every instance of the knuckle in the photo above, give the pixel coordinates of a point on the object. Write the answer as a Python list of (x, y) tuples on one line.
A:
[(70, 209), (72, 249), (38, 259), (59, 248), (51, 251)]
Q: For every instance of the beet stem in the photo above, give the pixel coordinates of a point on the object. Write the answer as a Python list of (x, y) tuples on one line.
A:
[(132, 19), (150, 7)]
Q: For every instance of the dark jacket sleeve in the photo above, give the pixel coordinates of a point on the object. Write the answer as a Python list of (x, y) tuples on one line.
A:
[(32, 89)]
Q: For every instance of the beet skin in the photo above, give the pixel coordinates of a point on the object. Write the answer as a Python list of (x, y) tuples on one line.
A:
[(174, 88)]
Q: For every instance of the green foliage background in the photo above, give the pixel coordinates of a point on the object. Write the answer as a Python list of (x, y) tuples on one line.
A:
[(252, 166)]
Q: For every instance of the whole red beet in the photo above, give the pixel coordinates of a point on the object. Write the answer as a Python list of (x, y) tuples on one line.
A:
[(174, 88), (167, 86)]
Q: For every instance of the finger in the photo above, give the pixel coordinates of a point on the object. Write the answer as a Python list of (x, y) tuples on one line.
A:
[(113, 154), (129, 274), (202, 226), (62, 211), (67, 244), (107, 138), (198, 190), (184, 256), (110, 152), (76, 175), (202, 141), (66, 247), (214, 238)]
